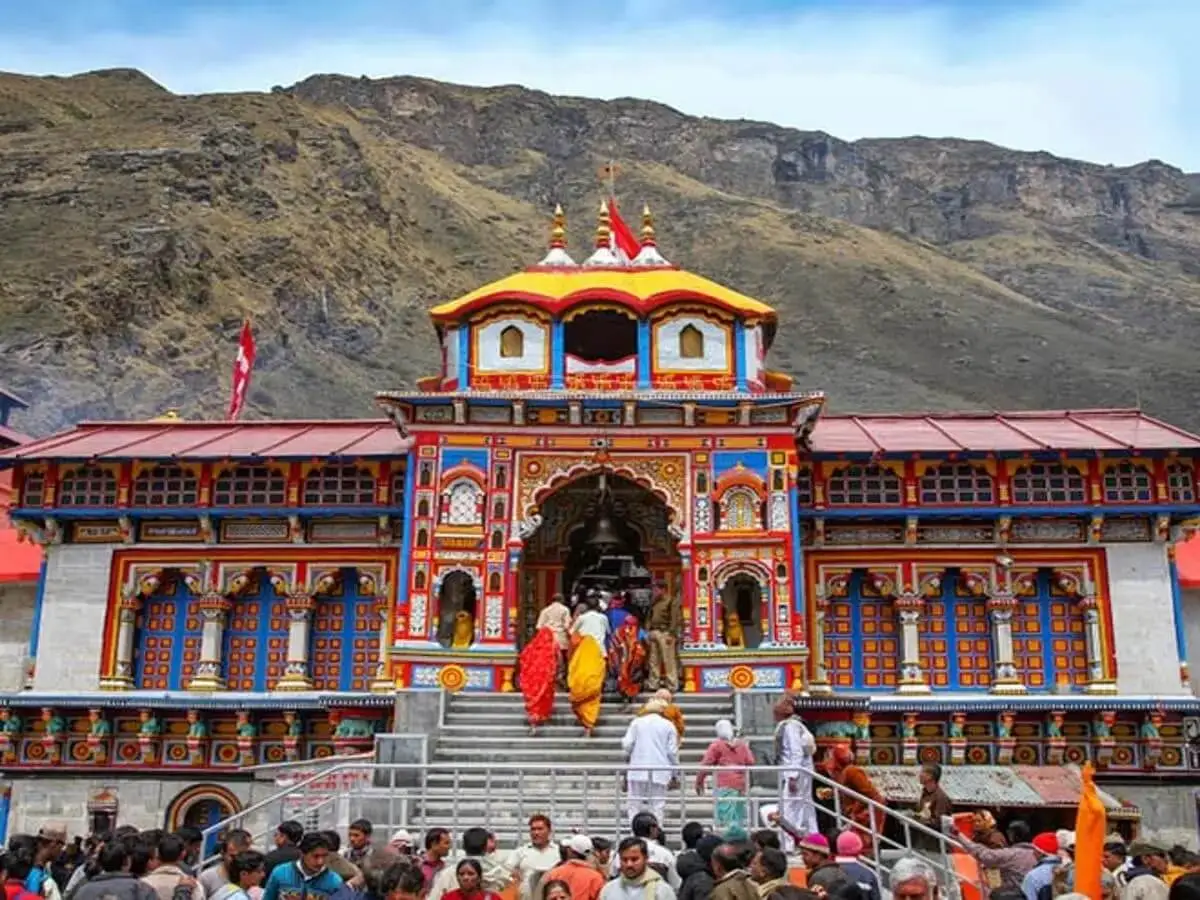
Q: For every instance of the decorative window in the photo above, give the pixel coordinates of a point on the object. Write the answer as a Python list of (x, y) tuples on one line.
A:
[(864, 486), (345, 643), (494, 582), (1048, 483), (33, 489), (741, 510), (463, 504), (1128, 483), (423, 507), (425, 478), (88, 486), (956, 483), (166, 484), (691, 343), (339, 484), (498, 508), (512, 343), (1049, 643), (497, 540), (256, 639), (804, 487), (168, 640), (398, 480), (956, 643), (250, 485), (1181, 486), (501, 478)]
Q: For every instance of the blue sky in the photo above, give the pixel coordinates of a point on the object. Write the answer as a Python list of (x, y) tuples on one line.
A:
[(1112, 81)]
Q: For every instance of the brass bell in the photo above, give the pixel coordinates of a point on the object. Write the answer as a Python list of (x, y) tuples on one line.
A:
[(604, 535)]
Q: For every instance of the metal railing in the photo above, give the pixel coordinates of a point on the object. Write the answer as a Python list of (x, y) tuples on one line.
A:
[(592, 799)]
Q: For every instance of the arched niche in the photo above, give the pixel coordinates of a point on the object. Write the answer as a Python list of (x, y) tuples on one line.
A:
[(744, 599), (457, 609)]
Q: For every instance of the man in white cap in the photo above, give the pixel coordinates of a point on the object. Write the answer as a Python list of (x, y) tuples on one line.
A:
[(401, 842), (651, 745), (578, 871)]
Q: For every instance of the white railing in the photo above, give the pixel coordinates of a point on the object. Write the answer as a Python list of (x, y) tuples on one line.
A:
[(588, 798)]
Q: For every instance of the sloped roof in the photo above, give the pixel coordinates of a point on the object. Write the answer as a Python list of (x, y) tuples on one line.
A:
[(19, 561), (644, 289), (1013, 432), (177, 438), (990, 786)]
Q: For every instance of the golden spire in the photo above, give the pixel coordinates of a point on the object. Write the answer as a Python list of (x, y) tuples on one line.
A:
[(647, 226), (558, 229), (603, 226), (171, 415)]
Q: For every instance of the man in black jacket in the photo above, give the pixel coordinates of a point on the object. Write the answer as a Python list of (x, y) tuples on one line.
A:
[(287, 846), (114, 879)]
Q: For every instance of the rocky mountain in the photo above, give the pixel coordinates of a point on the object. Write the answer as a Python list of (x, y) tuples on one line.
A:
[(138, 227)]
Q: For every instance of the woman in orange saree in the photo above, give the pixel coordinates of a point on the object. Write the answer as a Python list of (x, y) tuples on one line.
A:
[(868, 820), (627, 657), (539, 670), (585, 680)]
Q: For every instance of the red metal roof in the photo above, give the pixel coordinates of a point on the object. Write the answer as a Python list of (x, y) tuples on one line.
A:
[(1016, 432), (10, 437), (1011, 432), (19, 561), (217, 440)]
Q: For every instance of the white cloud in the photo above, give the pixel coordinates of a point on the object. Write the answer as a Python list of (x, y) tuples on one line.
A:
[(1111, 81)]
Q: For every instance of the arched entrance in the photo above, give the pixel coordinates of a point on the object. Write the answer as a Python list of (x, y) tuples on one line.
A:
[(457, 610), (563, 548), (742, 609), (202, 806)]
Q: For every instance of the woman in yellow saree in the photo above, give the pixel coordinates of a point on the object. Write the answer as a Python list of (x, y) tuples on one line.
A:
[(585, 680)]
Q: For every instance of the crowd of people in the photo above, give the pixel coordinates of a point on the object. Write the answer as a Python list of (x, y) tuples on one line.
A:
[(734, 865)]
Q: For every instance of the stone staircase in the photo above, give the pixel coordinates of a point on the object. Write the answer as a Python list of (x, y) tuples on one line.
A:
[(489, 730)]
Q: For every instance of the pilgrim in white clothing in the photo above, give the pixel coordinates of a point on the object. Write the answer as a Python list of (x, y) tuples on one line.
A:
[(794, 750), (651, 745)]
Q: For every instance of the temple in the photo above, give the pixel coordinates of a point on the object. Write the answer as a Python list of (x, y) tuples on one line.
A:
[(973, 588)]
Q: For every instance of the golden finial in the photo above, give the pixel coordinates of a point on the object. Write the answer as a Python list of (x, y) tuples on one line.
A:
[(171, 415), (647, 226), (603, 226), (558, 229)]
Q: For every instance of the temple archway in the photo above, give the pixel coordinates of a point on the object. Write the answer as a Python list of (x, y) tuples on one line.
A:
[(202, 806), (743, 611), (457, 609), (562, 549)]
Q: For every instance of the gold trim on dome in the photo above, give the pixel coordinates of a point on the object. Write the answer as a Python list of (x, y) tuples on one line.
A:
[(599, 306)]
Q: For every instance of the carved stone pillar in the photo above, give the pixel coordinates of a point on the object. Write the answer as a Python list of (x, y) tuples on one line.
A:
[(209, 675), (1005, 679), (121, 678), (1097, 683), (912, 677), (300, 605), (383, 682), (820, 680)]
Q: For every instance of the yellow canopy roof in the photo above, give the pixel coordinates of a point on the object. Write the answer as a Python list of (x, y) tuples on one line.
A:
[(557, 289)]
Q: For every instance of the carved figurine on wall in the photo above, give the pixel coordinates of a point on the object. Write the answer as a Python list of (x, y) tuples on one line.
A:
[(99, 731), (735, 636), (53, 734), (149, 730), (291, 738), (197, 737), (464, 630), (10, 734)]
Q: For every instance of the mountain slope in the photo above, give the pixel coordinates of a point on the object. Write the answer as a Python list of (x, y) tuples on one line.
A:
[(139, 227)]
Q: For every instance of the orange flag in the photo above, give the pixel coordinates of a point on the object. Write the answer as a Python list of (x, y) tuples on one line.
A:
[(1091, 825)]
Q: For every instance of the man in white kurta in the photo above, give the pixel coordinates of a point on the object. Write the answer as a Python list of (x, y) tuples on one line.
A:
[(651, 745), (794, 750)]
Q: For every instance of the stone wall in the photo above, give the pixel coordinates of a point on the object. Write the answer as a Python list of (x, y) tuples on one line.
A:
[(142, 803), (1168, 810), (16, 623), (1143, 619), (74, 607)]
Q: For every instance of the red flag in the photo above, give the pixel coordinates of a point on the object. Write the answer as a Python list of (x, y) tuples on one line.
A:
[(242, 367), (624, 238)]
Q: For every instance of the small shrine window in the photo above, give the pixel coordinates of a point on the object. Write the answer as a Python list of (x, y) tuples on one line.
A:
[(463, 503), (423, 507), (864, 486), (741, 510), (33, 489), (166, 485), (88, 486), (1048, 483), (339, 484), (425, 479), (1128, 483), (498, 539), (250, 486), (512, 343), (398, 485), (956, 483), (691, 343), (494, 582), (804, 487), (1181, 484), (419, 580), (498, 508), (500, 481)]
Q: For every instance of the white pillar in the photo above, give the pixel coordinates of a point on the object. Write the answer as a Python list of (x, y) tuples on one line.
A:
[(912, 676), (295, 675), (209, 674), (820, 681), (1005, 679), (1097, 683), (121, 678), (383, 682)]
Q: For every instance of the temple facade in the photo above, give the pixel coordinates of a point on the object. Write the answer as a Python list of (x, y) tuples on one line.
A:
[(973, 588)]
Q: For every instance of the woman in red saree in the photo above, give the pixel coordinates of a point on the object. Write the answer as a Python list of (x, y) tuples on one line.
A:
[(539, 671), (627, 657), (868, 820)]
